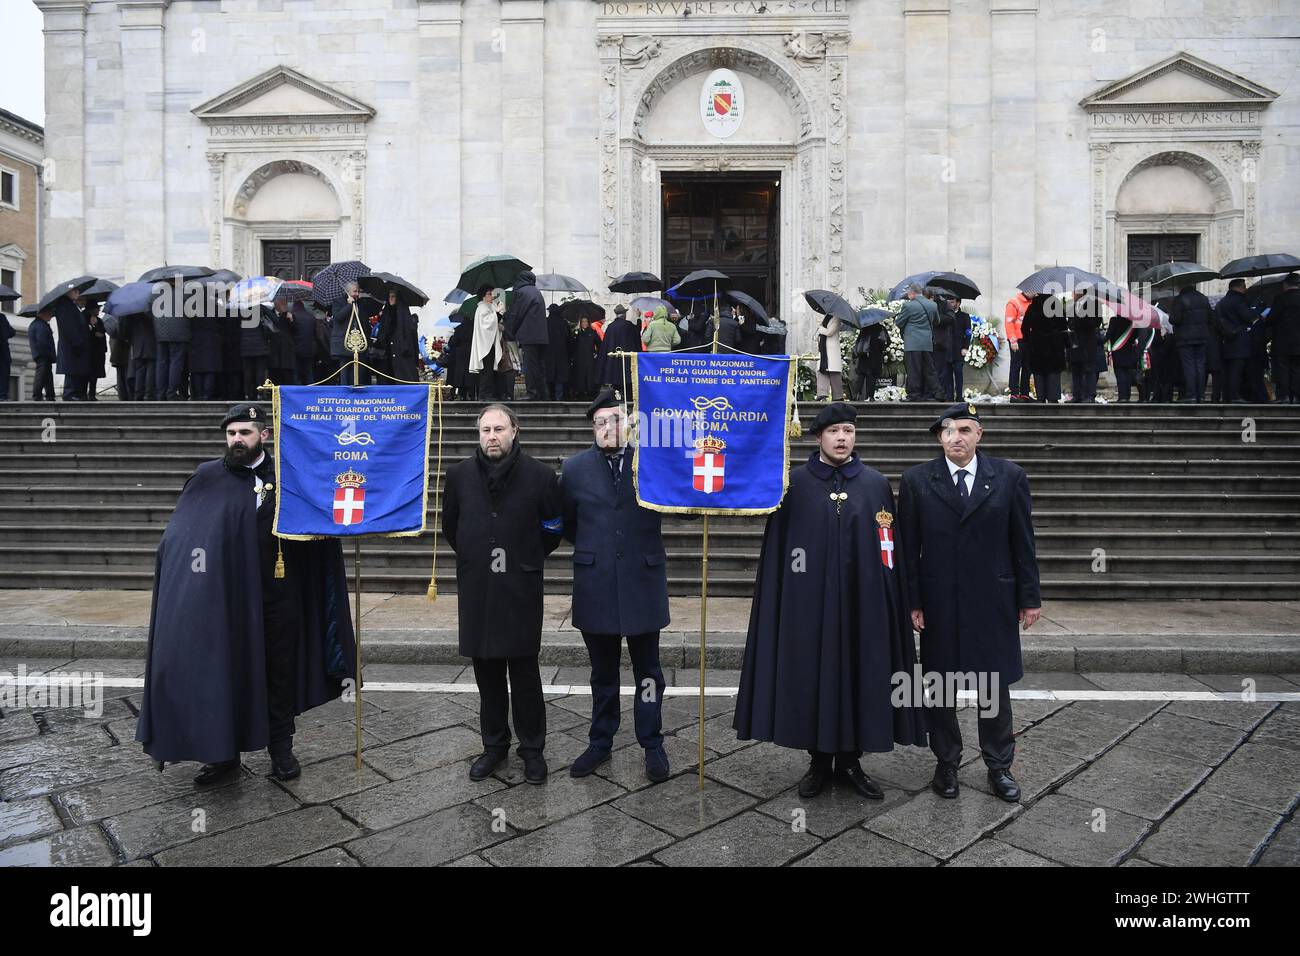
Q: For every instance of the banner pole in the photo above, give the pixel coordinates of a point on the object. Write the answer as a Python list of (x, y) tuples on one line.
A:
[(356, 586), (704, 574)]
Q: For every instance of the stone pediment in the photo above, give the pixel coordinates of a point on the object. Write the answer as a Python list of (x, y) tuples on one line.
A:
[(1180, 81), (283, 95)]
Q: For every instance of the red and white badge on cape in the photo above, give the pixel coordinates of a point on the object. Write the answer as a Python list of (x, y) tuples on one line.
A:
[(885, 529)]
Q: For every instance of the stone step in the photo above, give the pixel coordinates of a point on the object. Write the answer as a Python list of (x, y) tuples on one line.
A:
[(203, 412), (1253, 586), (1062, 515), (723, 561), (1201, 500), (171, 470), (578, 435), (76, 482), (127, 454), (684, 536)]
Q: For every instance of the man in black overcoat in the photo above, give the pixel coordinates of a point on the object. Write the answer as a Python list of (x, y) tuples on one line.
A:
[(829, 626), (967, 538), (502, 515), (620, 586)]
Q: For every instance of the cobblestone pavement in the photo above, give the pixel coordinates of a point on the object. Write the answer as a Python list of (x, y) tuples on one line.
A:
[(1106, 782)]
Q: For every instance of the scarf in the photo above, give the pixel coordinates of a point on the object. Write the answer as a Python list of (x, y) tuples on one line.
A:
[(497, 473)]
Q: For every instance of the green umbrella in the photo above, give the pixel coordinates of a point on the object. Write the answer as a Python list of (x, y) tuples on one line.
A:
[(470, 305), (496, 271)]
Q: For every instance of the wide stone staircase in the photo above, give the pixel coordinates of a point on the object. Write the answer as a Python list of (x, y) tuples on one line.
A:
[(1130, 501)]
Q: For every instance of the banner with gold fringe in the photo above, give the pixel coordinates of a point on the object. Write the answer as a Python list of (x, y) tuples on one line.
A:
[(357, 460), (711, 432)]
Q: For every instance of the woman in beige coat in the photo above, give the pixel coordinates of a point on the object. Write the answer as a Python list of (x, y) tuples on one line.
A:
[(831, 360)]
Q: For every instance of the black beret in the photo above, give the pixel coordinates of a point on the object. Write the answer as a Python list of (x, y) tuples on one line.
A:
[(834, 414), (246, 412), (608, 398), (960, 410)]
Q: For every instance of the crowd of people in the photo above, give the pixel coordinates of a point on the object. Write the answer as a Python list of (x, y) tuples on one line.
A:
[(1221, 349), (161, 356), (485, 355)]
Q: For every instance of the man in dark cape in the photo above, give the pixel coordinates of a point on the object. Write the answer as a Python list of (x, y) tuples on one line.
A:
[(235, 652), (829, 628)]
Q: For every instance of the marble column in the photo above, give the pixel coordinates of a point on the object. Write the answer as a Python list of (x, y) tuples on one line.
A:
[(928, 162), (523, 130), (1014, 151), (439, 90), (144, 172), (64, 251)]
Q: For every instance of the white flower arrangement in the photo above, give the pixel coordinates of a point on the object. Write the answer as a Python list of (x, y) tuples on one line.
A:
[(890, 393)]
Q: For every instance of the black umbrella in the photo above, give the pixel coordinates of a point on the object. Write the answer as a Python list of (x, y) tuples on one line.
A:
[(555, 282), (749, 302), (1177, 274), (222, 276), (329, 285), (168, 273), (1264, 265), (636, 282), (456, 296), (28, 312), (131, 299), (575, 309), (1265, 289), (1058, 280), (956, 283), (81, 284), (100, 291), (496, 271), (7, 294), (828, 303), (379, 284), (866, 318), (701, 284)]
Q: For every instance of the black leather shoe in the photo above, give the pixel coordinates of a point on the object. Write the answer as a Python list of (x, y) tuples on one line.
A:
[(864, 785), (535, 769), (211, 773), (285, 766), (1004, 785), (814, 781), (588, 761), (945, 781), (481, 768), (656, 765)]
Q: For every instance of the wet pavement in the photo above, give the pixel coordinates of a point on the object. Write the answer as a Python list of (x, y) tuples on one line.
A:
[(1106, 782)]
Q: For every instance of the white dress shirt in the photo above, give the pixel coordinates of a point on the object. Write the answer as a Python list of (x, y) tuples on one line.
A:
[(970, 473)]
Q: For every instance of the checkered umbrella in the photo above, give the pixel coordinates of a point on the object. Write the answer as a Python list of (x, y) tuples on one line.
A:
[(1060, 280), (329, 284)]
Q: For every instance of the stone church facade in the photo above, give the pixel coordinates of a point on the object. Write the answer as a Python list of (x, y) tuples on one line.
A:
[(875, 139)]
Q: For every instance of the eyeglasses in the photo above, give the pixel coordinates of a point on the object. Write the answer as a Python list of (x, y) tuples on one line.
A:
[(609, 420)]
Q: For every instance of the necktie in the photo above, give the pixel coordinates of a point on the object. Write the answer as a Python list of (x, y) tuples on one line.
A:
[(615, 468), (961, 485)]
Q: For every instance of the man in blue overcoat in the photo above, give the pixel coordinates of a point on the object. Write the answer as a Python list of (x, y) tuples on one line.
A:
[(620, 586), (967, 537)]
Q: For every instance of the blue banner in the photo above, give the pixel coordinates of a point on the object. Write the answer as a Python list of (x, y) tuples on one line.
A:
[(711, 432), (351, 461)]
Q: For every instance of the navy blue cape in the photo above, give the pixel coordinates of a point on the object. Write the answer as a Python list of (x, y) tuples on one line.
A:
[(824, 642), (205, 695)]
